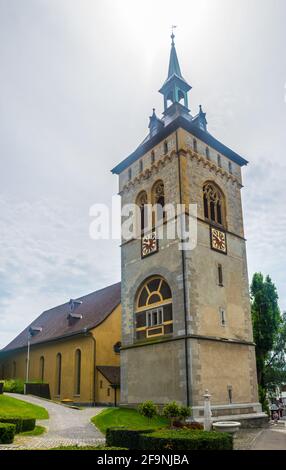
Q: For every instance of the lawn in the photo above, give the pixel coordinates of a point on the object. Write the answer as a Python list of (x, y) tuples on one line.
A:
[(126, 417), (10, 407)]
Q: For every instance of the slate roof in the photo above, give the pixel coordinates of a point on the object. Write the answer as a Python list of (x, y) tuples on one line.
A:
[(94, 309), (179, 122), (111, 373)]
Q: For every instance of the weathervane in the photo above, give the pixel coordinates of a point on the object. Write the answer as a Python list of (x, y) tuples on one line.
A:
[(172, 35)]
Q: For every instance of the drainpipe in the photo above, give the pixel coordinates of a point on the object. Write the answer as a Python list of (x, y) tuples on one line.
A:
[(184, 283)]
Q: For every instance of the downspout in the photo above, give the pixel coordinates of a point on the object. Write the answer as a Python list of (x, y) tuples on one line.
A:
[(184, 282)]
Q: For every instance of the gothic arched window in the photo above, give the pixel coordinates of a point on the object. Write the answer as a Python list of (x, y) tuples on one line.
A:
[(153, 309), (142, 201), (195, 145), (158, 199), (214, 203)]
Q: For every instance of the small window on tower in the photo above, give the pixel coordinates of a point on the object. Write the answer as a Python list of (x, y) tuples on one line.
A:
[(230, 167), (195, 145), (100, 384), (165, 147), (220, 275), (129, 174), (207, 153), (108, 392), (219, 160), (152, 156), (141, 166), (222, 316)]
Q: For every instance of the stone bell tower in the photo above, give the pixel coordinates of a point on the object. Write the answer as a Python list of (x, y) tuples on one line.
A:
[(186, 313)]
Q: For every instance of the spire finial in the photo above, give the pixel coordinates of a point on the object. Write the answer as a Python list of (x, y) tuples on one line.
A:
[(172, 35)]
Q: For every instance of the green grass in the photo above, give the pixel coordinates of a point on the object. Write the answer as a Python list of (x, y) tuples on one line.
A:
[(38, 431), (11, 407), (126, 417)]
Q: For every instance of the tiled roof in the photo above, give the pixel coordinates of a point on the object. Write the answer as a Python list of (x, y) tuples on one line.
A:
[(54, 323), (111, 373)]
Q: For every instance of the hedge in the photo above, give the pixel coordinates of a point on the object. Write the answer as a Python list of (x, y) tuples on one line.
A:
[(7, 433), (21, 424), (180, 440), (124, 437)]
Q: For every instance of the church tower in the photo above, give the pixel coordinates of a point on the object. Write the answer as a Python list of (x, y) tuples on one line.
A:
[(186, 324)]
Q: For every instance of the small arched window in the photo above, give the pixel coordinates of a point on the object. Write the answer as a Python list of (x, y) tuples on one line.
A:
[(195, 145), (77, 371), (230, 167), (153, 309), (142, 201), (42, 368), (207, 153), (214, 203), (141, 166), (219, 160), (165, 147), (158, 200), (152, 156), (58, 373), (14, 370)]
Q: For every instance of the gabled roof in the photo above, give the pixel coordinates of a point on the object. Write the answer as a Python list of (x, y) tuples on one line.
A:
[(111, 373), (94, 309), (189, 126)]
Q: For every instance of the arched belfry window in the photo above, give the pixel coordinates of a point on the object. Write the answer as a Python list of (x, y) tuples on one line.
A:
[(153, 309), (214, 203), (158, 199), (142, 201), (77, 371)]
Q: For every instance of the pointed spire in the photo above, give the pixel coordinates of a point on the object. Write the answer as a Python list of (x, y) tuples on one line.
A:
[(174, 66), (175, 89)]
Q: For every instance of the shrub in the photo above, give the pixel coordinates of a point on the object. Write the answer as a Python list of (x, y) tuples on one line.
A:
[(14, 386), (124, 437), (184, 412), (21, 424), (181, 440), (171, 411), (148, 409), (7, 433)]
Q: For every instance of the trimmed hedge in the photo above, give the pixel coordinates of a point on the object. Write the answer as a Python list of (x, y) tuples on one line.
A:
[(181, 440), (7, 433), (125, 437), (167, 439), (21, 424)]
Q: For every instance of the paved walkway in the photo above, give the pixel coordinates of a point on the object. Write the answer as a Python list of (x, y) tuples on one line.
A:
[(65, 426), (273, 438)]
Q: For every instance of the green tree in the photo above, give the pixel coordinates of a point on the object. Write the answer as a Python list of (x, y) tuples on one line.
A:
[(266, 320), (148, 409), (172, 411), (275, 364)]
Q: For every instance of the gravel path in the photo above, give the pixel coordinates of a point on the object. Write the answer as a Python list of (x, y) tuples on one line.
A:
[(65, 426)]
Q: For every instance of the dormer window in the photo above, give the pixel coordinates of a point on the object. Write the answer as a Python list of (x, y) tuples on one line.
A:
[(34, 330), (73, 315), (74, 304)]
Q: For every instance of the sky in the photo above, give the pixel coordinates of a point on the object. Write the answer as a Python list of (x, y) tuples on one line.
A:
[(78, 82)]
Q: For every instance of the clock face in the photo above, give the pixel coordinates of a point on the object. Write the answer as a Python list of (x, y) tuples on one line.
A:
[(218, 240), (149, 244)]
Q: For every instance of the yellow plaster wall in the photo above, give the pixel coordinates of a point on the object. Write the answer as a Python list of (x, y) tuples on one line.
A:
[(106, 335)]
